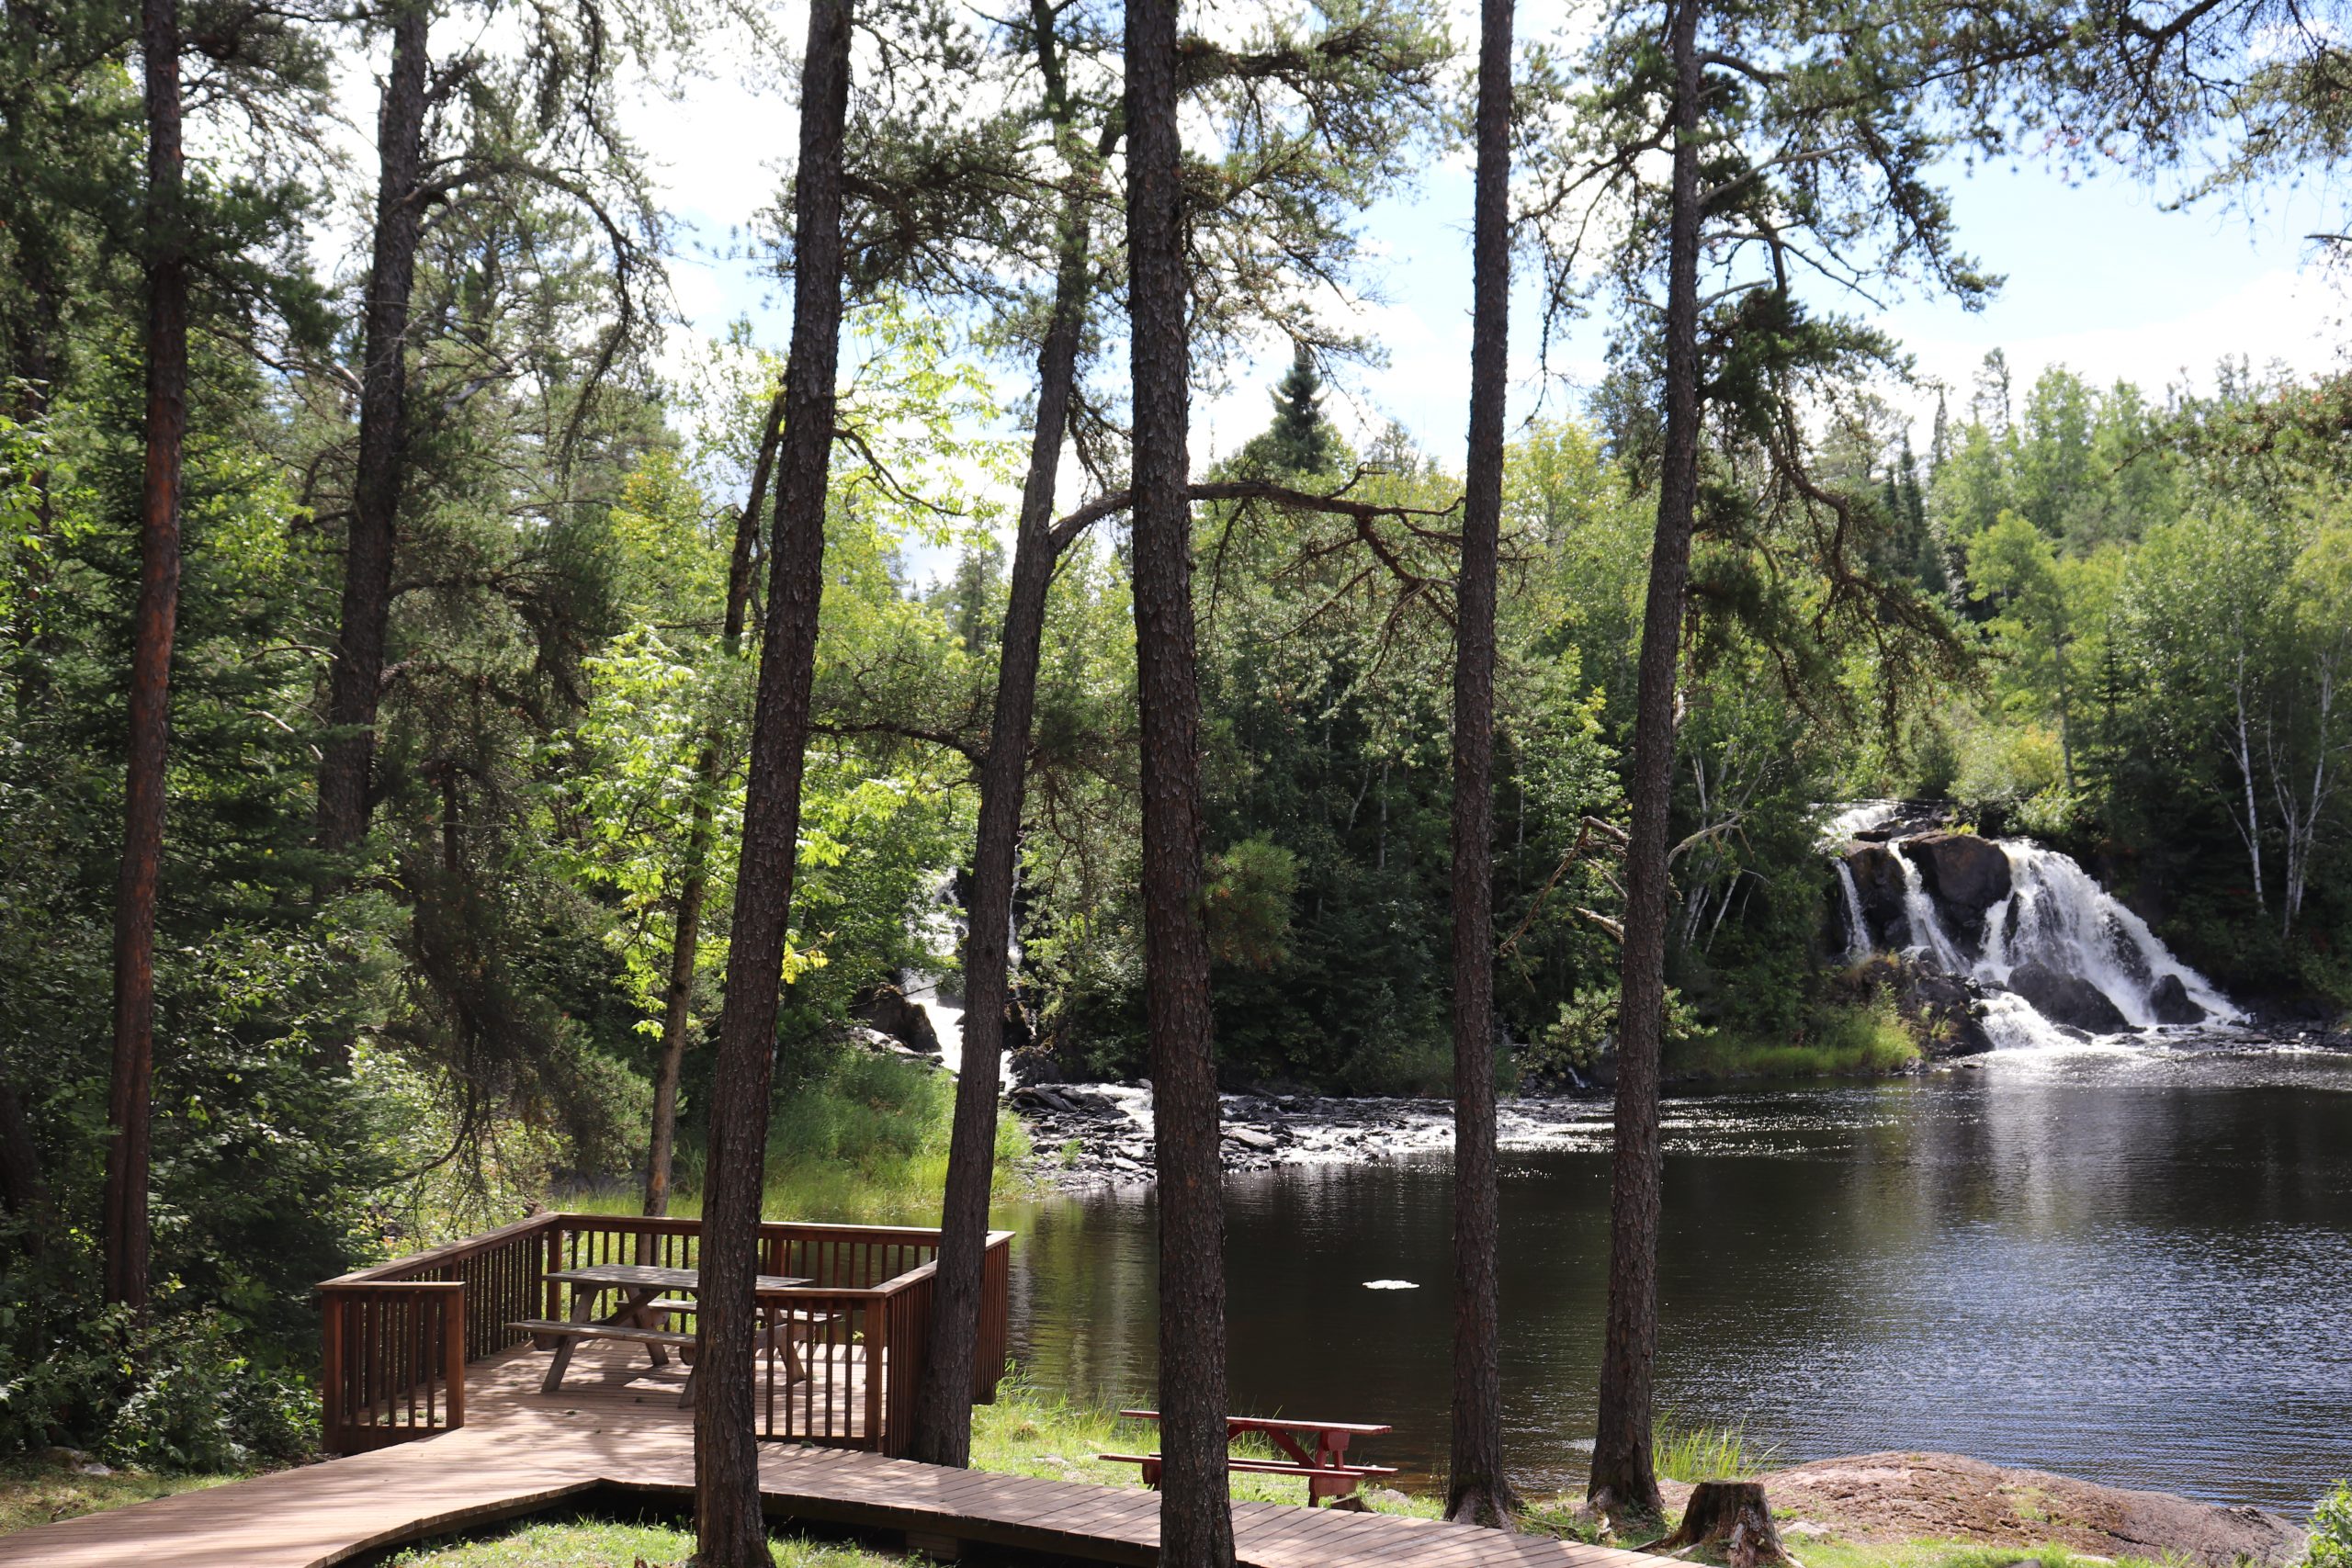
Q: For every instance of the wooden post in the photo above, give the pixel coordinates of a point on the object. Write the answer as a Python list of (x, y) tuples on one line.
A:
[(877, 1342), (331, 1371), (453, 1352)]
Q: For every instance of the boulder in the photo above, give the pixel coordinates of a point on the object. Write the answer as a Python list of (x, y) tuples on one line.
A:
[(2067, 998), (2170, 1001), (1878, 881), (1944, 1006), (907, 1022), (1961, 871)]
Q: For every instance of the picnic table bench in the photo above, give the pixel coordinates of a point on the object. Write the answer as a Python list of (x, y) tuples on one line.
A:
[(644, 1314), (1329, 1475)]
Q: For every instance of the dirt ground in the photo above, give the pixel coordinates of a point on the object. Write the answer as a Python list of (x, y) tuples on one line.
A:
[(1890, 1497)]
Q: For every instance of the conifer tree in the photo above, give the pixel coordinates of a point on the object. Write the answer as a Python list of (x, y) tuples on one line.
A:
[(1733, 148), (730, 1530)]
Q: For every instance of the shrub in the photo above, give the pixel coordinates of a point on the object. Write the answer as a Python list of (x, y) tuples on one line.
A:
[(2331, 1543), (174, 1394)]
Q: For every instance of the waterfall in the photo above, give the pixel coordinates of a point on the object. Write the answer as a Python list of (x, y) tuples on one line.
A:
[(1858, 926), (1928, 938), (2068, 922), (2057, 917)]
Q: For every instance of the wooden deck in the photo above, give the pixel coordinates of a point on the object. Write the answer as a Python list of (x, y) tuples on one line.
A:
[(617, 1427)]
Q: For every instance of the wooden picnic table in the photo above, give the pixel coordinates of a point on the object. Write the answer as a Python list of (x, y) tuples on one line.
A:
[(1327, 1472), (645, 1309)]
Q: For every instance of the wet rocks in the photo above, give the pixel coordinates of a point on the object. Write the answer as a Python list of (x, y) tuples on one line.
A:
[(1961, 871), (1878, 881), (2067, 998), (2170, 1001), (887, 1010)]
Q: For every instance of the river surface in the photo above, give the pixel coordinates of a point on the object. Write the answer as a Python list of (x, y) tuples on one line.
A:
[(2129, 1265)]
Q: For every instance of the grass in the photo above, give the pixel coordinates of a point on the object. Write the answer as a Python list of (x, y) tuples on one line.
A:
[(1820, 1551), (1706, 1453), (1845, 1041), (1030, 1431), (36, 1492), (590, 1543), (862, 1141)]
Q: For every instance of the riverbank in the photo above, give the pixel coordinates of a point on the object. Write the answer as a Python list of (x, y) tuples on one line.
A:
[(1890, 1510)]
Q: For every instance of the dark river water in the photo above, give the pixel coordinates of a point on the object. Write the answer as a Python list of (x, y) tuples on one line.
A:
[(2127, 1265)]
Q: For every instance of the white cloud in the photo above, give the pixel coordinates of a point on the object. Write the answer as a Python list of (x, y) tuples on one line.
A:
[(2289, 317)]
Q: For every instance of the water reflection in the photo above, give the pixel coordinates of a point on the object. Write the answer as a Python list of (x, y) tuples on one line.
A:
[(2130, 1267)]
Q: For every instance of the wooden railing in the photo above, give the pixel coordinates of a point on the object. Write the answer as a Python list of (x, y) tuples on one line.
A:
[(397, 1337)]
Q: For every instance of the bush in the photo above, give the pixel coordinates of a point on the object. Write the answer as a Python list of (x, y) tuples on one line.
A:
[(174, 1394), (2331, 1543)]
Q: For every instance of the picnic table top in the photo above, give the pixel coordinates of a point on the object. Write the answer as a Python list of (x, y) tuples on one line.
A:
[(648, 1275), (1277, 1424)]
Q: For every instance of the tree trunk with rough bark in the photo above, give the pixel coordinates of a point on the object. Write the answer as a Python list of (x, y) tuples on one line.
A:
[(358, 669), (1727, 1522), (686, 943), (129, 1102), (729, 1531), (1477, 1489), (1196, 1507), (1623, 1483), (944, 1407)]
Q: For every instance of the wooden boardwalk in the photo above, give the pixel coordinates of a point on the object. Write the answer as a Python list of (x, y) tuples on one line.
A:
[(617, 1428)]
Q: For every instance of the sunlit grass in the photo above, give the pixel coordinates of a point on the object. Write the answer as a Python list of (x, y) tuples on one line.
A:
[(1034, 1431), (34, 1492), (1844, 1041), (1706, 1453), (863, 1141), (589, 1543)]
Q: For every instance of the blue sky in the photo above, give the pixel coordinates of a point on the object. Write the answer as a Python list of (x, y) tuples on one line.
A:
[(2100, 276)]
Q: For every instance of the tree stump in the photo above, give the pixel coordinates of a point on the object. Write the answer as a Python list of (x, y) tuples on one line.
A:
[(1727, 1522)]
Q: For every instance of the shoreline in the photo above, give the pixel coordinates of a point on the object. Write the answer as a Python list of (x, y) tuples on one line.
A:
[(1093, 1136)]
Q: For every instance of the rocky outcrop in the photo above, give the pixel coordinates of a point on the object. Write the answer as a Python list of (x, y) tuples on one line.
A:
[(1896, 1497), (2068, 1000), (1878, 881), (2170, 1001), (1960, 871), (889, 1011)]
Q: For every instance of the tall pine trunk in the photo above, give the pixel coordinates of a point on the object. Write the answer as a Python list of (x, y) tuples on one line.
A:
[(943, 1405), (686, 943), (130, 1100), (1478, 1490), (1196, 1508), (728, 1527), (358, 669), (1625, 1484)]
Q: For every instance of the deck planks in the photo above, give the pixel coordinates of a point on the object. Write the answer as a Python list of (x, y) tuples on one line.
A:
[(617, 1425)]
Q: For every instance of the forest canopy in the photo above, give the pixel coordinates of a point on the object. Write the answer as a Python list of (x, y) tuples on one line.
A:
[(424, 945)]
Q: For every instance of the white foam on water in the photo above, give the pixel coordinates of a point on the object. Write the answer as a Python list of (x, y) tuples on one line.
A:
[(2056, 915), (1841, 826)]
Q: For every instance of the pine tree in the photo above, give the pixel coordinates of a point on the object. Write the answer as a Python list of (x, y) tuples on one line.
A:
[(1300, 440)]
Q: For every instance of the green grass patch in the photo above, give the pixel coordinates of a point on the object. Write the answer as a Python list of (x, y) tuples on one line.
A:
[(1033, 1431), (1819, 1551), (1838, 1040), (862, 1139), (1706, 1453), (35, 1491), (590, 1543)]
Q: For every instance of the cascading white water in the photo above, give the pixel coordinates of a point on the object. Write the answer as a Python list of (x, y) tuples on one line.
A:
[(2057, 916), (2066, 920), (1929, 937), (1858, 926)]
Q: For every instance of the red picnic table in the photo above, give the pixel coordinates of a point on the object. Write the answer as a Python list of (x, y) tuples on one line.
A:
[(1325, 1466)]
